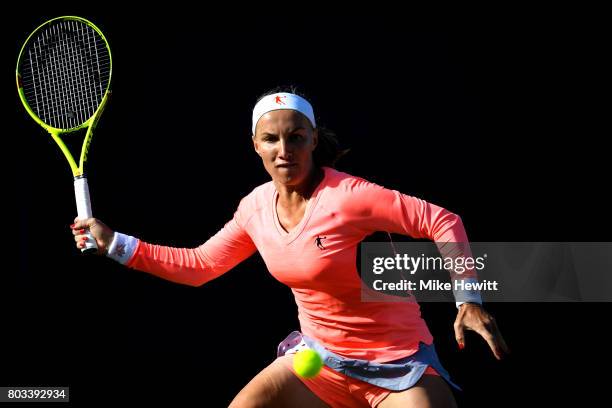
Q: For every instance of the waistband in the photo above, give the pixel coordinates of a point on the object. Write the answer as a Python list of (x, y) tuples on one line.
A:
[(397, 375)]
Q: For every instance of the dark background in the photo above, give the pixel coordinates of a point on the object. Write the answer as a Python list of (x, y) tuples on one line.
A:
[(496, 122)]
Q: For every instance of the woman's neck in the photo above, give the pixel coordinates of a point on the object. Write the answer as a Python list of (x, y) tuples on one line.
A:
[(294, 196)]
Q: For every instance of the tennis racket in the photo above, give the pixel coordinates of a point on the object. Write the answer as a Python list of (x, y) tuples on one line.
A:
[(63, 79)]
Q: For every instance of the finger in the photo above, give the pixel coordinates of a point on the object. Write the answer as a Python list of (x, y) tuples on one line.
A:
[(460, 326), (83, 224), (78, 231), (501, 348), (81, 238), (459, 333), (499, 339), (78, 224), (490, 339)]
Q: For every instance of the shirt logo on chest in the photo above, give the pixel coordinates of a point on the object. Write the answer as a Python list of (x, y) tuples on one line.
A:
[(318, 241)]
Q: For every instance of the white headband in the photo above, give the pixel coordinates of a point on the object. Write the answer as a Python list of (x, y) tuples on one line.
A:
[(280, 101)]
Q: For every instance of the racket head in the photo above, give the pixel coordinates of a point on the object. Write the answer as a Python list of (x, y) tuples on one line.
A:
[(64, 73)]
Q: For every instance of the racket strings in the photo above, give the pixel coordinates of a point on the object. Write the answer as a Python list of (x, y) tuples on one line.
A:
[(66, 73)]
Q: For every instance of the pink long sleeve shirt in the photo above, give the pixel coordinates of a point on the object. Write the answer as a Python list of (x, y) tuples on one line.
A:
[(342, 211)]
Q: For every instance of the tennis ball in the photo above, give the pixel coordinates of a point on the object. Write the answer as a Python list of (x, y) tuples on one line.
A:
[(307, 363)]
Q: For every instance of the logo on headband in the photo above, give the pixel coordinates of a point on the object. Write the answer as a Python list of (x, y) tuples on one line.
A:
[(279, 101)]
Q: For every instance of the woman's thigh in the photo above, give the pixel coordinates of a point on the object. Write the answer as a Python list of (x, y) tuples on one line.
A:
[(276, 386), (430, 391)]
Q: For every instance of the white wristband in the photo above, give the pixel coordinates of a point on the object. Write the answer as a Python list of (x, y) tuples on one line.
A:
[(122, 248), (467, 296)]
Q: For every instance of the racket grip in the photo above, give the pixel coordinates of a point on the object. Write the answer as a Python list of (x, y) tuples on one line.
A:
[(83, 203)]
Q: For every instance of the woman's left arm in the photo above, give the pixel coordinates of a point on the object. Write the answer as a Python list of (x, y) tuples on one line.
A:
[(381, 209)]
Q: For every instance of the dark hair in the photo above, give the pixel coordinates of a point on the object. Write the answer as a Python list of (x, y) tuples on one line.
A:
[(328, 150)]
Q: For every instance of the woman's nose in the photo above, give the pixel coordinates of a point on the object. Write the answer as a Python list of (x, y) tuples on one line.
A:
[(284, 149)]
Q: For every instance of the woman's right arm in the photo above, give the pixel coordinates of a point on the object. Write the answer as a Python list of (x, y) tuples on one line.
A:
[(189, 266)]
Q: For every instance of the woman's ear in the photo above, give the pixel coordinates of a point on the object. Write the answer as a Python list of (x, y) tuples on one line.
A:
[(255, 145), (315, 138)]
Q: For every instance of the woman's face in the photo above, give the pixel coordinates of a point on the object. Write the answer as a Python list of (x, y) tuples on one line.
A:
[(285, 140)]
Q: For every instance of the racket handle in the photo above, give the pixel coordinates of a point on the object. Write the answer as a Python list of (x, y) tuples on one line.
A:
[(81, 193)]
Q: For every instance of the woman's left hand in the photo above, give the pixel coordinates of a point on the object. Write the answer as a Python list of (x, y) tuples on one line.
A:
[(472, 316)]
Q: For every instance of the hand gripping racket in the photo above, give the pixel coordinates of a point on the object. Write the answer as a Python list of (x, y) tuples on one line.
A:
[(63, 79)]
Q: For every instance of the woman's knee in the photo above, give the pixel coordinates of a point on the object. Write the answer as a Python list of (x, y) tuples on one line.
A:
[(262, 388)]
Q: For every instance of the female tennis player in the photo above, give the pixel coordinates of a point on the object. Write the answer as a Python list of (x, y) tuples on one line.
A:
[(307, 223)]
